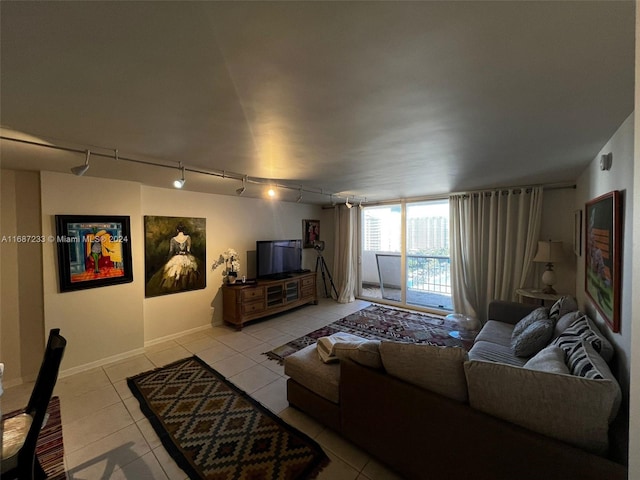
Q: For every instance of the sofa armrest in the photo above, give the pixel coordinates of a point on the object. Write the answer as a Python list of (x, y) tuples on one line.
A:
[(509, 312)]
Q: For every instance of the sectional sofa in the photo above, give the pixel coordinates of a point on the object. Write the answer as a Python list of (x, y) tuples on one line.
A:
[(429, 411)]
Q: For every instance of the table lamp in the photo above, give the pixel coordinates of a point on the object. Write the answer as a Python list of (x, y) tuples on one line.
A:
[(549, 252)]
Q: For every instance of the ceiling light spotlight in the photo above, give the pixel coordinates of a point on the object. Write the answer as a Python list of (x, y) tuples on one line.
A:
[(241, 190), (180, 182), (360, 205), (271, 192), (80, 170), (347, 204), (299, 199)]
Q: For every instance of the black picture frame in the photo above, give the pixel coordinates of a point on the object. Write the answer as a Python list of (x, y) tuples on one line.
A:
[(603, 255), (93, 251)]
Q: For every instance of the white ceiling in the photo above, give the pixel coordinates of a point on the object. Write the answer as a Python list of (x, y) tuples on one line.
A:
[(382, 100)]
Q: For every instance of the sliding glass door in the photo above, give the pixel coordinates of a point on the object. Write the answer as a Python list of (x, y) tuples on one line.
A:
[(405, 254)]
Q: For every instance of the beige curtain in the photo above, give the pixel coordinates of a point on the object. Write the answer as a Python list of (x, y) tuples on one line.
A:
[(493, 241), (345, 258)]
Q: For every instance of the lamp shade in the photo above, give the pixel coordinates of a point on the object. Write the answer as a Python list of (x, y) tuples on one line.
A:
[(549, 252)]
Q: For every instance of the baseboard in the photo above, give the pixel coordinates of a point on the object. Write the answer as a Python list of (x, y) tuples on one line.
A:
[(173, 336), (101, 362)]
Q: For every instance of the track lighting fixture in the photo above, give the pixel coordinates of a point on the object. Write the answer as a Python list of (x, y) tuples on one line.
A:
[(360, 205), (271, 184), (180, 182), (80, 170), (241, 190)]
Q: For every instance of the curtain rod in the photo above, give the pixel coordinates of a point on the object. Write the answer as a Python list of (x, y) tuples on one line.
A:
[(444, 196), (215, 173)]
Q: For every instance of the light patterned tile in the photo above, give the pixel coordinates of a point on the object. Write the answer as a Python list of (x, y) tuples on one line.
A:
[(102, 423), (254, 378), (128, 368)]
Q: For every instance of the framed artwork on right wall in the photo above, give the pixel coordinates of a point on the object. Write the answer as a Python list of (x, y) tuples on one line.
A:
[(603, 251)]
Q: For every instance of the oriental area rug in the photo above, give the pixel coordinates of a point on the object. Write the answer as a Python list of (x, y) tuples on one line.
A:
[(376, 322), (49, 447), (214, 430)]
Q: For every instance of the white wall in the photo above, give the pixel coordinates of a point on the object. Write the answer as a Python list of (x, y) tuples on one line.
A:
[(107, 323), (591, 184), (231, 222), (98, 323)]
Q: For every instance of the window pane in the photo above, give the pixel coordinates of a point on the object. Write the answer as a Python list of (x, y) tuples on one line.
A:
[(381, 248), (428, 264)]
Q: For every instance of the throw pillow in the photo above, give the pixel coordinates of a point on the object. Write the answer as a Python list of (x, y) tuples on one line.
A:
[(439, 369), (538, 314), (562, 306), (365, 353), (549, 359), (584, 329), (533, 339), (565, 322)]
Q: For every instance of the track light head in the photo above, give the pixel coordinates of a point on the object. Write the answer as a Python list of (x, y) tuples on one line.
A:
[(347, 204), (299, 199), (240, 191), (180, 182), (80, 170)]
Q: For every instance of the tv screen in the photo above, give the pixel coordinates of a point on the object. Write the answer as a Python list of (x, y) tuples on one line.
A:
[(278, 258)]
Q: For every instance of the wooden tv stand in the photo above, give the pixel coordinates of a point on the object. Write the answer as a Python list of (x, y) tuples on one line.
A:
[(242, 303)]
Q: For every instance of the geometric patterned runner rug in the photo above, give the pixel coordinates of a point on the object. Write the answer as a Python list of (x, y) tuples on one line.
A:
[(49, 447), (214, 430), (380, 323)]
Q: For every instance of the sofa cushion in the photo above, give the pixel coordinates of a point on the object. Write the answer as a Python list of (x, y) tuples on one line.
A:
[(365, 353), (492, 352), (496, 332), (584, 329), (562, 306), (306, 368), (549, 359), (533, 338), (538, 314), (439, 369), (574, 409), (565, 322)]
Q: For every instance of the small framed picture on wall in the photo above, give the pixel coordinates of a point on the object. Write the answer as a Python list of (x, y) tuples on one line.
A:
[(310, 233)]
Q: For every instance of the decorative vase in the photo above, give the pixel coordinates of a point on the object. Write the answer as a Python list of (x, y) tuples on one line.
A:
[(232, 277)]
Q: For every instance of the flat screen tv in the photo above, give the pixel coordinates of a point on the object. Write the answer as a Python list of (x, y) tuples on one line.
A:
[(278, 258)]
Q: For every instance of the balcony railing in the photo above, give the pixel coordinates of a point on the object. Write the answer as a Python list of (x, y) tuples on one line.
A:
[(429, 273), (428, 279)]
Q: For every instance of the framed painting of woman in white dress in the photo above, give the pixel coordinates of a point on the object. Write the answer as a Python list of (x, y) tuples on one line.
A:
[(175, 254)]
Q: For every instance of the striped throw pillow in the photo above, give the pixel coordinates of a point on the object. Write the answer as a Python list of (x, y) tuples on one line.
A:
[(562, 306), (584, 329)]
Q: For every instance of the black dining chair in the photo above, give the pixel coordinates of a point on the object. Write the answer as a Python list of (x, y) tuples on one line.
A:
[(20, 432)]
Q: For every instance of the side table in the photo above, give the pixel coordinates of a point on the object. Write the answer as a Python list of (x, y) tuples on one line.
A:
[(536, 295)]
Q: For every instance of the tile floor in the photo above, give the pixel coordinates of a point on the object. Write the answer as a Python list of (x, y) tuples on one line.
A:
[(106, 436)]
